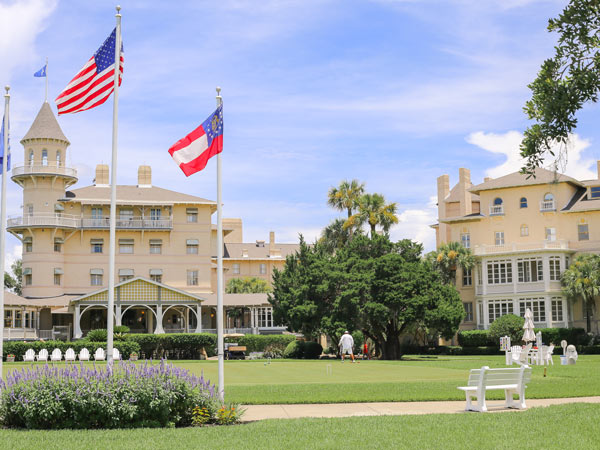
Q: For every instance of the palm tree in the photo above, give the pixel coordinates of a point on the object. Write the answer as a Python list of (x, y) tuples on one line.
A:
[(335, 235), (247, 285), (373, 210), (449, 257), (346, 196), (582, 281)]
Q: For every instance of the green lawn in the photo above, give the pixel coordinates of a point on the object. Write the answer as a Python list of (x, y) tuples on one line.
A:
[(413, 379), (561, 427)]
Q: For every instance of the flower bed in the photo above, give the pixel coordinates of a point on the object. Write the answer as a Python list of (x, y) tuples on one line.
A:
[(127, 396)]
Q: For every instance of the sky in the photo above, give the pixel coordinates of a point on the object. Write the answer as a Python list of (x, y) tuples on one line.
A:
[(393, 93)]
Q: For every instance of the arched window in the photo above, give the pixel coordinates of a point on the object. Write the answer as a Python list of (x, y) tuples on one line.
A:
[(44, 157), (524, 230), (58, 158), (548, 197), (523, 202), (31, 157), (497, 201)]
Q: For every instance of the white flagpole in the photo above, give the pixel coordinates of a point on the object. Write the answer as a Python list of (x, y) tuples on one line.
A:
[(220, 272), (113, 198), (46, 98), (3, 223)]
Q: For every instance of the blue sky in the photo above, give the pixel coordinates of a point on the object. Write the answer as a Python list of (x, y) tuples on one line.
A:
[(393, 93)]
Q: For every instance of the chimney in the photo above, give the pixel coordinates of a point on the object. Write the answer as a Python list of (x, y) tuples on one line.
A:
[(273, 252), (101, 175), (144, 177), (260, 243), (443, 189), (464, 184), (486, 179), (598, 164)]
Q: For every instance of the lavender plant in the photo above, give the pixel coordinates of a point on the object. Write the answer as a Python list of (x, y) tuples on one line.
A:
[(126, 396)]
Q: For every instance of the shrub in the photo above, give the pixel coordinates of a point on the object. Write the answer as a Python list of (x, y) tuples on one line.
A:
[(359, 340), (19, 348), (589, 349), (175, 346), (124, 329), (508, 325), (273, 352), (473, 338), (127, 396), (575, 336), (312, 350), (295, 349), (259, 343), (99, 335)]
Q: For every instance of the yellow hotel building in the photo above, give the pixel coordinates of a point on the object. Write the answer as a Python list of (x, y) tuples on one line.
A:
[(523, 232), (166, 247)]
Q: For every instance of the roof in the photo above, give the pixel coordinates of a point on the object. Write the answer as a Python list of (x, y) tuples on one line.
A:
[(234, 251), (454, 196), (515, 179), (12, 299), (45, 126), (132, 194), (237, 299)]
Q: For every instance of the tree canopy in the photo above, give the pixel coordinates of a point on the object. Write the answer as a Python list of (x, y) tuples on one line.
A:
[(379, 287), (247, 285), (581, 281), (449, 257), (565, 82), (12, 281)]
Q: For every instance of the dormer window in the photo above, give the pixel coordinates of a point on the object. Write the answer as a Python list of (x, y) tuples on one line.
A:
[(523, 202)]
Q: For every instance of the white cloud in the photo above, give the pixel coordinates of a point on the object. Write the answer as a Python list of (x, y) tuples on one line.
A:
[(572, 162), (20, 23), (11, 256), (416, 224)]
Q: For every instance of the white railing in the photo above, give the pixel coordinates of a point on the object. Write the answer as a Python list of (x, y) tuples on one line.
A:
[(128, 223), (41, 220), (45, 334), (480, 250), (41, 169), (496, 210), (547, 205)]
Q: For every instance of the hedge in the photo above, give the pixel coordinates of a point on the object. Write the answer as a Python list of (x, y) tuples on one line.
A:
[(481, 338), (312, 350), (295, 349), (474, 338), (259, 343), (174, 346), (18, 348)]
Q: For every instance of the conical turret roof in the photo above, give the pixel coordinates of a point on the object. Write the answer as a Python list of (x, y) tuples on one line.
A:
[(45, 126)]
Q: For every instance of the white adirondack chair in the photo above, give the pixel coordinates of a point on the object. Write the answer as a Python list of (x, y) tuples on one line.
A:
[(56, 355), (100, 354), (70, 355), (524, 355), (116, 354), (29, 355), (84, 355), (43, 355)]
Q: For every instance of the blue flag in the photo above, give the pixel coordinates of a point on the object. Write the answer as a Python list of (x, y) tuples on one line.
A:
[(2, 148), (41, 72)]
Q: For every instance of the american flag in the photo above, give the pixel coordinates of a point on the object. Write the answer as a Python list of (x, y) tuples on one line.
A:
[(95, 81)]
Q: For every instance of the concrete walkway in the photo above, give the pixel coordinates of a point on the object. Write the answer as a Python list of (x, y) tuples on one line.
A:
[(260, 412)]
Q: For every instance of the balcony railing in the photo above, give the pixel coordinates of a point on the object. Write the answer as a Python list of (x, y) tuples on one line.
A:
[(52, 169), (481, 250), (547, 205), (496, 210), (69, 221)]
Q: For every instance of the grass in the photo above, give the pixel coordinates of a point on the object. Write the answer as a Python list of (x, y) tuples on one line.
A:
[(413, 379), (560, 427)]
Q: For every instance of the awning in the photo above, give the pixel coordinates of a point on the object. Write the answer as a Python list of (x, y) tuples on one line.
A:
[(155, 241), (58, 271), (96, 271), (27, 240), (58, 207), (59, 240), (192, 242), (126, 241), (155, 271), (125, 272), (27, 271), (96, 241)]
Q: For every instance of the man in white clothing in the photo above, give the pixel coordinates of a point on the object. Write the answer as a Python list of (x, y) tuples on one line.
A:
[(346, 344)]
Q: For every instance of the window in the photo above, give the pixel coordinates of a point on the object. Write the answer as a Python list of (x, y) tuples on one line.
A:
[(554, 268), (191, 247), (595, 192), (567, 262), (126, 246), (479, 275), (583, 232), (125, 274), (496, 207), (8, 318), (192, 215), (499, 237), (465, 240), (499, 272), (263, 269), (192, 278), (530, 270), (56, 279), (468, 312), (155, 246), (125, 214), (28, 244), (523, 202), (58, 159), (499, 308), (58, 242), (467, 277), (550, 234), (30, 210), (537, 307), (548, 203), (557, 309), (96, 213), (235, 268), (497, 201), (96, 277), (548, 197), (155, 213), (96, 245), (18, 318), (27, 275), (524, 230), (156, 275), (264, 317), (30, 158), (44, 157)]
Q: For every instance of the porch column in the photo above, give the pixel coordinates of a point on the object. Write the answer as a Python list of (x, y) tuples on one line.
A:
[(118, 315), (198, 318), (252, 318), (159, 320), (23, 321), (76, 325)]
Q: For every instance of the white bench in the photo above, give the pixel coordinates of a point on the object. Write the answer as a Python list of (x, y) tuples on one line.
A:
[(512, 381)]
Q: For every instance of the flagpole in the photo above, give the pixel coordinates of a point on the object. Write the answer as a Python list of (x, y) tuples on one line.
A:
[(46, 98), (220, 272), (113, 198), (3, 222)]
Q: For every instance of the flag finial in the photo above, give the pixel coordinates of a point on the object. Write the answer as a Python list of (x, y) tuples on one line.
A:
[(7, 87), (118, 7)]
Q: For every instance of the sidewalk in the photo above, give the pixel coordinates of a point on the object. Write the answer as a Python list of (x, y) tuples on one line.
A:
[(261, 412)]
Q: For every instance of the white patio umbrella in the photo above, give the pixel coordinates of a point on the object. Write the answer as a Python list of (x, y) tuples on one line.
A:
[(528, 334)]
